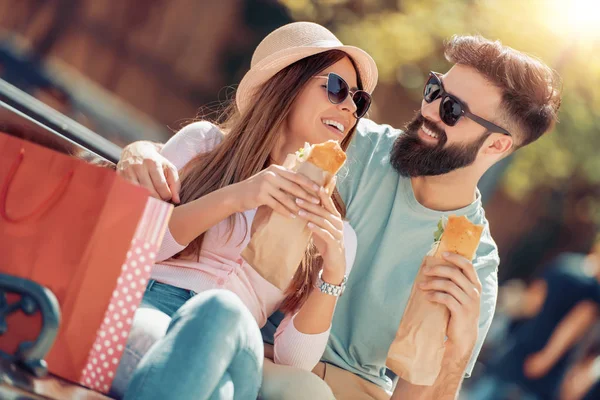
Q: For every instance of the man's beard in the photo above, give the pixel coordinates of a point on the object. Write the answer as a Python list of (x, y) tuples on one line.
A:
[(411, 157)]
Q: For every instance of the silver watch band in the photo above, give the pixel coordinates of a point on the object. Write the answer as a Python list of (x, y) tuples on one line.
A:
[(328, 288)]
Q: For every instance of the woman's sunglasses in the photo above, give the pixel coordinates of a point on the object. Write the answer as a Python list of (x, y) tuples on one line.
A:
[(451, 108), (338, 90)]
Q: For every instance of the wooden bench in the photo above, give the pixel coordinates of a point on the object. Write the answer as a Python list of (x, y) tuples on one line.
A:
[(16, 383)]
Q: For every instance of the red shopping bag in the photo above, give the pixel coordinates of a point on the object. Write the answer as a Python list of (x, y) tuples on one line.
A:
[(66, 225), (111, 338)]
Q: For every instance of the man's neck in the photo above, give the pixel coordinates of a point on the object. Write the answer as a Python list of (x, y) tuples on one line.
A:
[(448, 192)]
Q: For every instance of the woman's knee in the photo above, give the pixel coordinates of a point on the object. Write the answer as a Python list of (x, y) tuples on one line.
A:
[(216, 306), (222, 312)]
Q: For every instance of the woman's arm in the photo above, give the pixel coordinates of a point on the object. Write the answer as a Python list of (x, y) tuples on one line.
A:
[(301, 338), (141, 161), (192, 219), (271, 187)]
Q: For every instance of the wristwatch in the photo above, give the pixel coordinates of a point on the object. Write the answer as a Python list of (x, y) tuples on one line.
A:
[(328, 288)]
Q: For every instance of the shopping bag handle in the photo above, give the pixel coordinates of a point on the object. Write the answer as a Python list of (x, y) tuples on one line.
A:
[(44, 206)]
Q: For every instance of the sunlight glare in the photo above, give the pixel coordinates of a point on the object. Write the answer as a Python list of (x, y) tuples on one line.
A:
[(580, 18)]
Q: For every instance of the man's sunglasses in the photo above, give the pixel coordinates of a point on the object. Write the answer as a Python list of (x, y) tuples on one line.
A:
[(451, 108), (338, 90)]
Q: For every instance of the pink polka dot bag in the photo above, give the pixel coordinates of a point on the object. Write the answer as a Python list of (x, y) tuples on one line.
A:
[(108, 347)]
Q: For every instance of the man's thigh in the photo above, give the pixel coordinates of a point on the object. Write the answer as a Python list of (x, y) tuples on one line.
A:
[(281, 382), (347, 386), (325, 382)]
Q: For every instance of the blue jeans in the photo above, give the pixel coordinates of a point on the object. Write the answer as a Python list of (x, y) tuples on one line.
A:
[(191, 346)]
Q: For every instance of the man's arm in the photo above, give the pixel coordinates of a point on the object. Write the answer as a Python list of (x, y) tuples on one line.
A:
[(447, 385), (456, 286)]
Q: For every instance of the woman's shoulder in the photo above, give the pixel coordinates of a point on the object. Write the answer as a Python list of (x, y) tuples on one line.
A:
[(204, 132), (195, 138)]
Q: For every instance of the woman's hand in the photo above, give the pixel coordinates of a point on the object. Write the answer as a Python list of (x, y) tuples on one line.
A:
[(142, 163), (276, 187), (327, 227)]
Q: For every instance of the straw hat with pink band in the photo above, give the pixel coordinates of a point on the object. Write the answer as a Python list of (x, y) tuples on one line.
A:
[(293, 42)]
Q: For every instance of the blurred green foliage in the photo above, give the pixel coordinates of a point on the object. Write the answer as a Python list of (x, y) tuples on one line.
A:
[(405, 37)]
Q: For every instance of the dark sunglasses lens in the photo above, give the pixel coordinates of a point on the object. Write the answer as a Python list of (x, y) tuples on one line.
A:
[(337, 89), (450, 111), (432, 89), (363, 102)]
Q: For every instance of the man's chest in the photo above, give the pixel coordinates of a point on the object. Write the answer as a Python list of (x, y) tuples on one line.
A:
[(390, 250)]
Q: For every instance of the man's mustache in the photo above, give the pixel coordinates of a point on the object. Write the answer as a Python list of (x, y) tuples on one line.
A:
[(418, 120)]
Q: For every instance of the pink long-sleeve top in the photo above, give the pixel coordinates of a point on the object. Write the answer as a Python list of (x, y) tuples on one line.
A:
[(221, 266)]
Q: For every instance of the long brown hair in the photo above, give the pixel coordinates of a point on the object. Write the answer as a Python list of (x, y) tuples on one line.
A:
[(245, 151)]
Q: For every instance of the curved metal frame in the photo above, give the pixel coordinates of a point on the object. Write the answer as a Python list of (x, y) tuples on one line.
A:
[(34, 298)]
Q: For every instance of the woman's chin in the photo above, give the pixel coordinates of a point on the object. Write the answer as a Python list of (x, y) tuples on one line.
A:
[(331, 133)]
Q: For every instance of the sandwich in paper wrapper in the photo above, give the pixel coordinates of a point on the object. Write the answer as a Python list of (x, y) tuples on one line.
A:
[(417, 351), (278, 243)]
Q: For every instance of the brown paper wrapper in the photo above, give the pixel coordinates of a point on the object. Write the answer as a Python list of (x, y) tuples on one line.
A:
[(278, 243), (417, 351)]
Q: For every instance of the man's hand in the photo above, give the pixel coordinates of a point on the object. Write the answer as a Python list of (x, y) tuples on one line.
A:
[(142, 163), (456, 286)]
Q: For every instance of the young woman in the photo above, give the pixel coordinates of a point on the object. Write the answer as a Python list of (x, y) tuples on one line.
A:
[(204, 305)]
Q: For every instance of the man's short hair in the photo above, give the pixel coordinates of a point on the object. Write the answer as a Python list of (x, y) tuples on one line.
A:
[(531, 90)]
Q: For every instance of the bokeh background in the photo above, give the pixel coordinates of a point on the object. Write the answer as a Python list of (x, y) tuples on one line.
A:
[(140, 69)]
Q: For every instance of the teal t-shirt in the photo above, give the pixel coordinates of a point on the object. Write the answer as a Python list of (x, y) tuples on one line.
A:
[(394, 233)]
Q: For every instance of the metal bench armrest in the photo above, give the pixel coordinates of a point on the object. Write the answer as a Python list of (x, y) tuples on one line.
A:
[(33, 298)]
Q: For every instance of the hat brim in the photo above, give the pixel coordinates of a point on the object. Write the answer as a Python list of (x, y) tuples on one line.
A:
[(270, 66)]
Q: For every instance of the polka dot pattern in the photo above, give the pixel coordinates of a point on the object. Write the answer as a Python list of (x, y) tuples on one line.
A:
[(112, 336)]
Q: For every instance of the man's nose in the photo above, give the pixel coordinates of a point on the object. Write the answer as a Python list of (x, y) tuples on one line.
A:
[(431, 111)]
